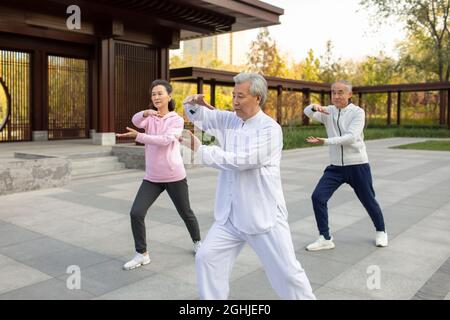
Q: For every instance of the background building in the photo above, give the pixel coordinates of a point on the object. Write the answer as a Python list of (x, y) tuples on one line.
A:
[(230, 48), (67, 83)]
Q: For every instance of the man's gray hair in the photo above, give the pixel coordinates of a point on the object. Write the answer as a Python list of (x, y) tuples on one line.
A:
[(258, 85), (348, 84)]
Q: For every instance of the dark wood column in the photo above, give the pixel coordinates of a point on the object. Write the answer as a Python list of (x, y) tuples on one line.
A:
[(306, 102), (448, 109), (39, 103), (442, 107), (106, 86), (213, 92), (389, 108), (199, 85), (95, 81), (279, 104), (399, 107), (164, 65)]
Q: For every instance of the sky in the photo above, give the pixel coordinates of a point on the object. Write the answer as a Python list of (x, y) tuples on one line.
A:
[(309, 24)]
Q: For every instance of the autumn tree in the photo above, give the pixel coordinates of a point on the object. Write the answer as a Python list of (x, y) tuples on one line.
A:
[(264, 56), (427, 20)]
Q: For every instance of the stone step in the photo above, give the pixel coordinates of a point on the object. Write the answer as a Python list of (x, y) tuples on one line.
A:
[(96, 165), (93, 162), (96, 154), (111, 173), (98, 169)]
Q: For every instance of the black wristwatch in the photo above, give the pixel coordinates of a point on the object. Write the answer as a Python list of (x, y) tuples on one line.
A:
[(313, 109)]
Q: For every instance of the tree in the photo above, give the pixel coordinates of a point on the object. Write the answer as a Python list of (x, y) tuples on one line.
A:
[(375, 70), (264, 56), (418, 60), (424, 18), (330, 69), (310, 67)]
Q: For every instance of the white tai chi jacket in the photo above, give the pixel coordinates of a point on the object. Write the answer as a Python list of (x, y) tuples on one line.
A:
[(249, 190)]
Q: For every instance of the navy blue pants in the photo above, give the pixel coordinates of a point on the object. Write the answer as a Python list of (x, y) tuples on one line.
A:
[(359, 178)]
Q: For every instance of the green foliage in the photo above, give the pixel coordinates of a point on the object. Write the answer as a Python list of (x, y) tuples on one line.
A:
[(310, 67), (427, 22), (294, 137), (264, 56), (418, 63), (331, 69)]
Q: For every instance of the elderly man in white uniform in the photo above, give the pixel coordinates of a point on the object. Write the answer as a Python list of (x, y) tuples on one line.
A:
[(250, 206)]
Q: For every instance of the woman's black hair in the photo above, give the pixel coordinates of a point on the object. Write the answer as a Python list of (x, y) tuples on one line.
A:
[(165, 84)]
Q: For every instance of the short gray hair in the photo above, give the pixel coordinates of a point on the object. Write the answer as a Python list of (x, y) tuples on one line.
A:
[(258, 85), (348, 84)]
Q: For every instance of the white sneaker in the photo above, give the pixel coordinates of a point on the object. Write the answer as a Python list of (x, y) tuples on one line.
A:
[(321, 244), (197, 245), (137, 261), (381, 239)]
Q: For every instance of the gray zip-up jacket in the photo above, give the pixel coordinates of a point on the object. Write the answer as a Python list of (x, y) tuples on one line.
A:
[(345, 133)]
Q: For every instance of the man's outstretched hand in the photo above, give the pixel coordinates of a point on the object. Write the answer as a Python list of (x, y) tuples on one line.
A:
[(198, 99), (320, 109), (314, 140), (189, 140)]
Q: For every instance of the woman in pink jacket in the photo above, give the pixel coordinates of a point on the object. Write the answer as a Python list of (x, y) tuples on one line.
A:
[(164, 168)]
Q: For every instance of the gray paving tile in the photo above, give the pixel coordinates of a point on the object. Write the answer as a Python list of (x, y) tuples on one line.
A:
[(422, 248), (412, 188), (406, 174), (96, 201), (155, 287), (436, 288), (11, 234), (425, 202), (34, 248), (109, 276), (56, 263), (254, 286), (320, 270), (16, 275), (392, 285), (299, 209), (163, 215), (53, 289), (326, 293)]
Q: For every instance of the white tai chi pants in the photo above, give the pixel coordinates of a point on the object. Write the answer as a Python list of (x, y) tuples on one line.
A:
[(214, 261)]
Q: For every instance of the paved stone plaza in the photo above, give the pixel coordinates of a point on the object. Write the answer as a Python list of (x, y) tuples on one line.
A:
[(86, 223)]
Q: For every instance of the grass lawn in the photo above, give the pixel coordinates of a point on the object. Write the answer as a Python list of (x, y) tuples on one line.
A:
[(294, 137), (434, 145)]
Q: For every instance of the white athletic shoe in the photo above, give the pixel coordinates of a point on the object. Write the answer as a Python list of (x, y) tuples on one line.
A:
[(381, 239), (321, 244), (196, 245), (137, 261)]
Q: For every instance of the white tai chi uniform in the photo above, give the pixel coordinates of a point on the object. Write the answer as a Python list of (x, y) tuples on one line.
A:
[(249, 207)]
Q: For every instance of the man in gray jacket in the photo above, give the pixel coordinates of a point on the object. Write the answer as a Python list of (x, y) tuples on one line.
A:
[(344, 123)]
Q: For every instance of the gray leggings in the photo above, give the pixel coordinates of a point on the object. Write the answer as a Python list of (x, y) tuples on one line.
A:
[(147, 194)]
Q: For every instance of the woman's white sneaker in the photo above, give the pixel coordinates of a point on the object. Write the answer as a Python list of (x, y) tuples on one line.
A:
[(321, 244), (381, 239), (137, 261)]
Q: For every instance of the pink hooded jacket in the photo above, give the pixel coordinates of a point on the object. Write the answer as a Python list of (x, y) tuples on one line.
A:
[(163, 161)]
